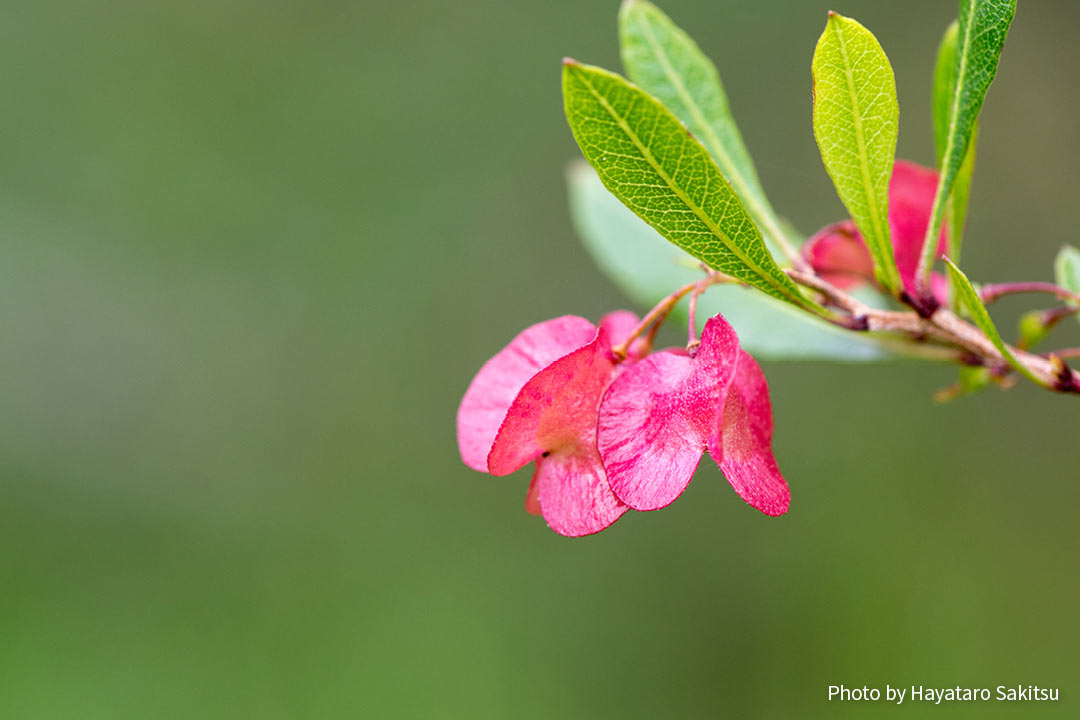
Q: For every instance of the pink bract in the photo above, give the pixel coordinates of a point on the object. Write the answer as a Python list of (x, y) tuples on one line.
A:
[(838, 252), (656, 418), (494, 388), (536, 400), (743, 446), (574, 496), (551, 410), (911, 198), (619, 324)]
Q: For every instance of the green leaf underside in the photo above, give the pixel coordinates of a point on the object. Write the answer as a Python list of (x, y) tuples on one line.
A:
[(856, 121), (982, 27), (1067, 270), (648, 160), (969, 298), (637, 260), (666, 63), (945, 70)]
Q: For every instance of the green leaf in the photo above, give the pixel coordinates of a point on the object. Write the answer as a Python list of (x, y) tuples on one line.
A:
[(856, 123), (646, 268), (666, 63), (1067, 270), (956, 207), (944, 86), (981, 31), (970, 299), (945, 72), (649, 160)]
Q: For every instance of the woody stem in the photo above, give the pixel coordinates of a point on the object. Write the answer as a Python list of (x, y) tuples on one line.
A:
[(943, 327), (691, 330), (992, 292)]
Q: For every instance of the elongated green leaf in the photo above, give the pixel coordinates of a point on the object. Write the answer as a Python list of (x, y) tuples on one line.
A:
[(982, 27), (856, 123), (1067, 270), (945, 71), (649, 160), (646, 268), (965, 291), (666, 63), (944, 86), (957, 205)]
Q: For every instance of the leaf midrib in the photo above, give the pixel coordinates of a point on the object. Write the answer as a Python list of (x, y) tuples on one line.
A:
[(763, 214), (698, 212), (875, 217)]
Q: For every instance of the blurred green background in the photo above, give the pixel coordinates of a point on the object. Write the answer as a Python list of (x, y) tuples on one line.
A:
[(252, 253)]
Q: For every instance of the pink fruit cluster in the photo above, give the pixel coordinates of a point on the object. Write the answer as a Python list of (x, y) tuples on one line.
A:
[(612, 428), (608, 433)]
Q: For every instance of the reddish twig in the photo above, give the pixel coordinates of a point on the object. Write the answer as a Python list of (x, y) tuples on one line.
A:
[(659, 313), (992, 292)]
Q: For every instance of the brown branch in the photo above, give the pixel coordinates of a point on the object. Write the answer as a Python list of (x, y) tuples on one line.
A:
[(943, 327)]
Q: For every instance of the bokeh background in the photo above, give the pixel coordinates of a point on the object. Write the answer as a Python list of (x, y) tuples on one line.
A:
[(252, 253)]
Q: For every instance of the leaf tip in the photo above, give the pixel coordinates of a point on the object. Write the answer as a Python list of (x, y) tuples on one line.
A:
[(570, 62)]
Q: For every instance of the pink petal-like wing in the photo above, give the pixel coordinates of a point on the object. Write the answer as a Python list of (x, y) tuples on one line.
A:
[(619, 324), (575, 497), (555, 409), (494, 388), (911, 197), (838, 254), (743, 449), (657, 416), (652, 430)]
